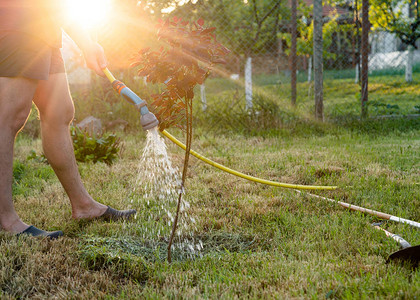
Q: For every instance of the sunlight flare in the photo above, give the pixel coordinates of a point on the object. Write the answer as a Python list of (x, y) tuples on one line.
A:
[(88, 13)]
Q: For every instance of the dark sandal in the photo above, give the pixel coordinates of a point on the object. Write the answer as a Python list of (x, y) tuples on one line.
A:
[(114, 215), (33, 231)]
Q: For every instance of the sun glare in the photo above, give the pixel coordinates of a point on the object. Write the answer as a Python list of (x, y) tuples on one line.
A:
[(88, 13)]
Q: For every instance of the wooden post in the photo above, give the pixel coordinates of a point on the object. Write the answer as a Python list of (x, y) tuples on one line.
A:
[(203, 97), (318, 61), (293, 56), (248, 83), (365, 57)]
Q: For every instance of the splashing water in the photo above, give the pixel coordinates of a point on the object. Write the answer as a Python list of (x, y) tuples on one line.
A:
[(156, 175), (159, 185)]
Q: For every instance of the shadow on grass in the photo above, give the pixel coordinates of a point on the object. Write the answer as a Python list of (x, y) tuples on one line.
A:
[(379, 127), (268, 119), (128, 256)]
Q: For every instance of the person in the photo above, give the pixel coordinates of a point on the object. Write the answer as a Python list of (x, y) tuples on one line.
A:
[(32, 70)]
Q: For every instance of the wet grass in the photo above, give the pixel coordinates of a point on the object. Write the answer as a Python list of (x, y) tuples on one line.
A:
[(258, 241)]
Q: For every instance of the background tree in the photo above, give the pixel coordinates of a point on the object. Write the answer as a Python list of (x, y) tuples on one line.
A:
[(402, 18), (245, 28), (305, 43)]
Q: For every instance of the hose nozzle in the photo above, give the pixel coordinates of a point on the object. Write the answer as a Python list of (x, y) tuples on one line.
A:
[(148, 121)]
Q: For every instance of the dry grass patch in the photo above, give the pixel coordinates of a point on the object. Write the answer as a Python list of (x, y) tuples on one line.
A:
[(39, 269)]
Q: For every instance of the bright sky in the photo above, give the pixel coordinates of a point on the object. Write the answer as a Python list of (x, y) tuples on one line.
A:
[(88, 13), (173, 6)]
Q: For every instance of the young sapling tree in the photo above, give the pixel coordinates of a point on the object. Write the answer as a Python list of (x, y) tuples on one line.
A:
[(189, 52)]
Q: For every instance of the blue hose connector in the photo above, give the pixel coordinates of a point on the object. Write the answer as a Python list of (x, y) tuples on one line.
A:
[(148, 120)]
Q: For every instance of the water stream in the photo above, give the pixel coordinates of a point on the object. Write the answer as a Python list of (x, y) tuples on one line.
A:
[(158, 186)]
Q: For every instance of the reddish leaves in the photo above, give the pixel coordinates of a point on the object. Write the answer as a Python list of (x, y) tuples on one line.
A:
[(189, 55)]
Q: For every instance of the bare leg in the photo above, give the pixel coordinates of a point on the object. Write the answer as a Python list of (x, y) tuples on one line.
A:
[(15, 104), (56, 110)]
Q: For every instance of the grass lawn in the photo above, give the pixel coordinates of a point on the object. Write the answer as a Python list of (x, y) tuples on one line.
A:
[(258, 241)]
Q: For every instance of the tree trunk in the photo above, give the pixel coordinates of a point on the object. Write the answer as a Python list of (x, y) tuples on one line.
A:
[(318, 62), (409, 64), (293, 56), (365, 57)]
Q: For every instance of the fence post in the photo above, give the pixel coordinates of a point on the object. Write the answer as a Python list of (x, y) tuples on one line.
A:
[(310, 68), (248, 83), (365, 57), (293, 56), (356, 21), (203, 97), (318, 61), (356, 78)]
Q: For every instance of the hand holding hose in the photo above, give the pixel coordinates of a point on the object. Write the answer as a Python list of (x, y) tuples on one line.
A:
[(93, 53), (95, 58)]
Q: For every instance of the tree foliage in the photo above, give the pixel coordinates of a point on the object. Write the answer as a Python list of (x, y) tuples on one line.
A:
[(306, 33), (388, 15), (190, 51), (245, 27)]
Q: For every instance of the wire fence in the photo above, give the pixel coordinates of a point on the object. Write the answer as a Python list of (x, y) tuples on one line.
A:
[(267, 46)]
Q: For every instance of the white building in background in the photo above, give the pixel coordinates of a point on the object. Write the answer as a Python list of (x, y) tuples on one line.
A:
[(388, 51), (77, 73), (384, 42)]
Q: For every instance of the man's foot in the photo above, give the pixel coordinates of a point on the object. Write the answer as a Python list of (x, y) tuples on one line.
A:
[(98, 211), (113, 214), (89, 211), (33, 231), (13, 225)]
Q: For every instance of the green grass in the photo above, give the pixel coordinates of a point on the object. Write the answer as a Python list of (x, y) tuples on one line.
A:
[(258, 241)]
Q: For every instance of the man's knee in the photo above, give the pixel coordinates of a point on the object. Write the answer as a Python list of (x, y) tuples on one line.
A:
[(15, 102), (14, 123), (13, 117), (21, 118), (67, 113), (57, 116)]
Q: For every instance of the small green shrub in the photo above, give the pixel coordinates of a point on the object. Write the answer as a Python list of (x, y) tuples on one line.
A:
[(19, 169), (88, 148)]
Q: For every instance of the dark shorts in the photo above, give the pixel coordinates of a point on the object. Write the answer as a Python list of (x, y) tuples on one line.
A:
[(23, 55)]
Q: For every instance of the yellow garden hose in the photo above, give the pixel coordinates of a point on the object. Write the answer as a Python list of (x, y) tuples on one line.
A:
[(112, 79), (248, 177), (296, 187), (109, 75)]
